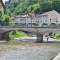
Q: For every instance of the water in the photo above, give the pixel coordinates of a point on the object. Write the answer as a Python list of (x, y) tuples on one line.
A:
[(28, 51)]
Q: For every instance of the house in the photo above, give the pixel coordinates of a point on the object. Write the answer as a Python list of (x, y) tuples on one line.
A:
[(47, 18), (2, 7), (26, 20), (50, 17)]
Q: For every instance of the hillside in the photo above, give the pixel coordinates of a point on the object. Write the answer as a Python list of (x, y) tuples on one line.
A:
[(32, 6)]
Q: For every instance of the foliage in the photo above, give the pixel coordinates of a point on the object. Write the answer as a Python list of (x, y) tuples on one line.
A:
[(32, 6), (6, 18), (6, 21), (50, 34), (15, 34), (56, 4), (53, 24), (44, 23), (47, 6), (56, 35)]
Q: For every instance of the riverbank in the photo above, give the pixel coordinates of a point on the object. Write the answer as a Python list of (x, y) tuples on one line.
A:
[(32, 39), (2, 41), (57, 57), (28, 39), (54, 35)]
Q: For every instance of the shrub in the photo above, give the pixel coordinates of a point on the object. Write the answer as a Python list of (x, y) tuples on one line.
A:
[(57, 35), (44, 24), (53, 34), (50, 34), (53, 24)]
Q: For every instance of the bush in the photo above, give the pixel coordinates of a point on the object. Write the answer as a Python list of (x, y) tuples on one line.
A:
[(53, 24), (53, 34), (44, 24), (15, 34), (50, 34), (57, 35)]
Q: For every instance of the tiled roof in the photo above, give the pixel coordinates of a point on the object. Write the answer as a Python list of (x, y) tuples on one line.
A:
[(24, 16), (46, 13)]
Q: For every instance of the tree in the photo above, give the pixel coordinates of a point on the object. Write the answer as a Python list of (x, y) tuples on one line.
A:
[(6, 20), (56, 4), (34, 8), (47, 6)]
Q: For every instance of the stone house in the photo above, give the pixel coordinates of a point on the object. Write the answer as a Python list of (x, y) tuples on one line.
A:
[(50, 17)]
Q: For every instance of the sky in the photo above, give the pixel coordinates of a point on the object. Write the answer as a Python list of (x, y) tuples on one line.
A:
[(4, 0)]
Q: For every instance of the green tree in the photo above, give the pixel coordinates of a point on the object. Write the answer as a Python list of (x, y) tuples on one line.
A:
[(6, 20), (56, 4), (47, 6), (34, 8)]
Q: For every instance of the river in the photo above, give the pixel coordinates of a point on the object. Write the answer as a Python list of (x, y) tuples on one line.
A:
[(28, 51)]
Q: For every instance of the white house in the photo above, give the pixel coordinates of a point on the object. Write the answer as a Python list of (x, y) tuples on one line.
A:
[(50, 17), (25, 20)]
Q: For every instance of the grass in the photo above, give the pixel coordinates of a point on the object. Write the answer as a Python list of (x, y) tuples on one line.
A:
[(16, 34), (57, 35)]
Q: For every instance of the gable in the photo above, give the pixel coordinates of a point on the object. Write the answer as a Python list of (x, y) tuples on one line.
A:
[(49, 12), (54, 13)]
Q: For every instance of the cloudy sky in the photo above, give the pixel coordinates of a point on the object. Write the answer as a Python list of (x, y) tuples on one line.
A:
[(4, 0)]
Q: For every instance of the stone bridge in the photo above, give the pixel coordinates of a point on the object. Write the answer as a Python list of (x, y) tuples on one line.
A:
[(39, 31)]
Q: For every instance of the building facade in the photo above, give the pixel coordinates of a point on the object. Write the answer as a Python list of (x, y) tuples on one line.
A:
[(47, 18), (51, 17), (26, 20)]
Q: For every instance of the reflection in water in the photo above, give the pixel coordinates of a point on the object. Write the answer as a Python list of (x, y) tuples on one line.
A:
[(28, 51)]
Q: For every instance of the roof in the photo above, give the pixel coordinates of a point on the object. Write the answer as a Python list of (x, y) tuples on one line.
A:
[(2, 4), (46, 13), (25, 16)]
